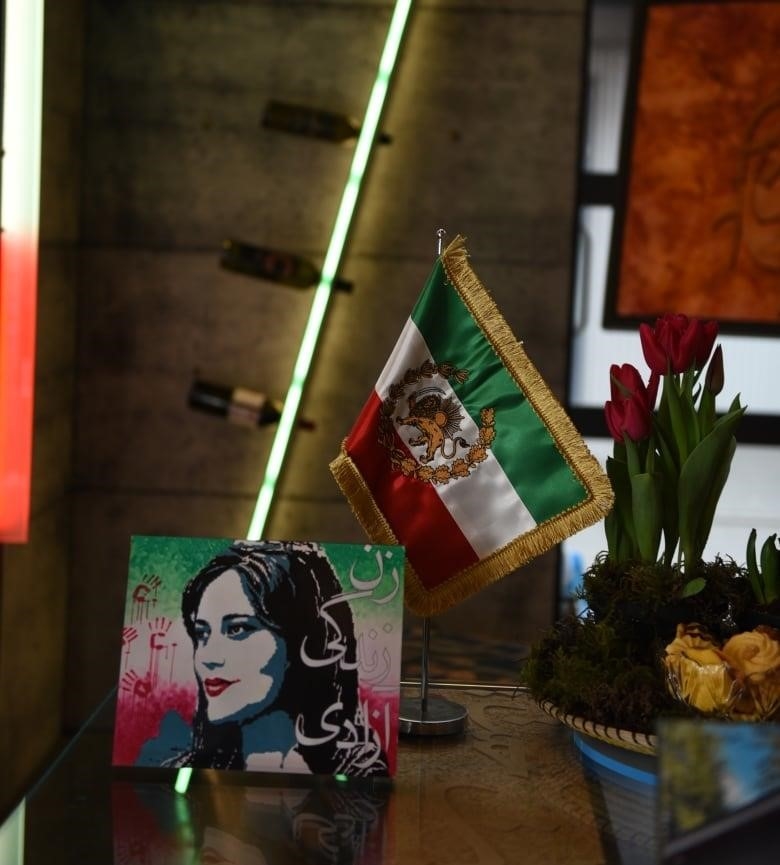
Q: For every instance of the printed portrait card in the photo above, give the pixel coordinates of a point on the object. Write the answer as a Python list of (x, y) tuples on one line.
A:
[(261, 656)]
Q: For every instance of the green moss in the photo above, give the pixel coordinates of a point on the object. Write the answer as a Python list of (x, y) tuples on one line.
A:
[(606, 666)]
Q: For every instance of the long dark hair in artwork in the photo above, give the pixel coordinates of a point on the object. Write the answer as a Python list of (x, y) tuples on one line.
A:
[(287, 584)]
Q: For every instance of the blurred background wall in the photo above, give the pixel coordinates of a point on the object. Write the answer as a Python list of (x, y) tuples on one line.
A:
[(153, 155)]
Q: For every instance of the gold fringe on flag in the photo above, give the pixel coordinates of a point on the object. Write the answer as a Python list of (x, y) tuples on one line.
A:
[(361, 501), (599, 495)]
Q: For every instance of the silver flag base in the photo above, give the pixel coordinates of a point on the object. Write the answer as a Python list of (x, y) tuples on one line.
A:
[(433, 717)]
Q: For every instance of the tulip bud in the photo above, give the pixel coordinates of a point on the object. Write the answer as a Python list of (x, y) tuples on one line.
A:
[(714, 378), (708, 333)]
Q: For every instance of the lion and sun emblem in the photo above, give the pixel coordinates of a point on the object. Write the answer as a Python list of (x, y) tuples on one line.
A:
[(440, 453)]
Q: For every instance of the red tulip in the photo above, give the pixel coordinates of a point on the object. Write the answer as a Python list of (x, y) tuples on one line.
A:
[(709, 331), (655, 354), (630, 411), (677, 343)]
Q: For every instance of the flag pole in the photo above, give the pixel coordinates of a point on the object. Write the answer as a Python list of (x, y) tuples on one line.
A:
[(424, 664), (432, 716)]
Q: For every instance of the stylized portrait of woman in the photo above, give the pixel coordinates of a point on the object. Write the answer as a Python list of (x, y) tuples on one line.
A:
[(275, 658)]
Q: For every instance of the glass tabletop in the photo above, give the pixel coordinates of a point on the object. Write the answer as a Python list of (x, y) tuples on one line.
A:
[(513, 787)]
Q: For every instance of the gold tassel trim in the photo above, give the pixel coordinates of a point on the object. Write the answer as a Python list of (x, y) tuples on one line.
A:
[(595, 506), (360, 499), (566, 436)]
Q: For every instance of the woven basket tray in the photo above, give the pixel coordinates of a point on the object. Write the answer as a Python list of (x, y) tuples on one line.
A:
[(642, 743)]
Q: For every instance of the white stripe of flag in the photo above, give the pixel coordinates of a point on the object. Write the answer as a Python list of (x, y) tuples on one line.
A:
[(485, 504)]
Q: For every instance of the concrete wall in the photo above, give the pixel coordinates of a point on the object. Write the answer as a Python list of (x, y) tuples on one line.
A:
[(34, 576), (483, 115), (153, 154)]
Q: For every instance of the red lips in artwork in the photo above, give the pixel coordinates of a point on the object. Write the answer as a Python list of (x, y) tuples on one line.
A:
[(214, 687)]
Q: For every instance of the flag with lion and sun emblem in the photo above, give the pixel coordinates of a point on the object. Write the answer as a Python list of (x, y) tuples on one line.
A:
[(462, 454)]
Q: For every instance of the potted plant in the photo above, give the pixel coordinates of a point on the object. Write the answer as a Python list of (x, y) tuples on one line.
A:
[(671, 458)]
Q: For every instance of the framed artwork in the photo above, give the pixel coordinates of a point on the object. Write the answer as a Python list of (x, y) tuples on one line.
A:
[(261, 656), (697, 227)]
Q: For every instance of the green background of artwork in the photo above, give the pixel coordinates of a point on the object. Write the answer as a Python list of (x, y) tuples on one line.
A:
[(175, 560), (342, 557)]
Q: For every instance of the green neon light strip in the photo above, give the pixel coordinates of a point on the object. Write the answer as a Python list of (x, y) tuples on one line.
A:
[(332, 258), (182, 780), (322, 293)]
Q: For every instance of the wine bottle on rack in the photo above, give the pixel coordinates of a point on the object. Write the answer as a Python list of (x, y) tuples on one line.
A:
[(238, 404), (313, 122), (273, 265)]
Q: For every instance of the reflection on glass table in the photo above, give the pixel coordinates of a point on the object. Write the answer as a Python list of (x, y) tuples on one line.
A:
[(719, 796), (514, 787), (247, 825)]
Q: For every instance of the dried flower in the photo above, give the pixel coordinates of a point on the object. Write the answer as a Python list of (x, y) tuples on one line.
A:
[(756, 655), (741, 680), (698, 673), (754, 652)]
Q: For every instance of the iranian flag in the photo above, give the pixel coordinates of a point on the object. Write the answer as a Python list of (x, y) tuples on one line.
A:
[(462, 454)]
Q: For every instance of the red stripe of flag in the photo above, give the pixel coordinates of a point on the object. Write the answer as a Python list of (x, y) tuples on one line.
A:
[(435, 546)]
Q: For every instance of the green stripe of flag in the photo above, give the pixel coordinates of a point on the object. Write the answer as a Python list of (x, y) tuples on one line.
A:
[(523, 444)]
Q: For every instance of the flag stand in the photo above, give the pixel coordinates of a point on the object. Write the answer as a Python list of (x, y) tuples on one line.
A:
[(430, 716), (540, 482)]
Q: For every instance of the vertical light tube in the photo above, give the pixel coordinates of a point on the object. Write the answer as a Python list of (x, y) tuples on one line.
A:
[(12, 837), (323, 291), (333, 255), (19, 208)]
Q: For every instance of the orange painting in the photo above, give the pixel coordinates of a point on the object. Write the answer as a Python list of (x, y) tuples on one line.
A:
[(701, 233)]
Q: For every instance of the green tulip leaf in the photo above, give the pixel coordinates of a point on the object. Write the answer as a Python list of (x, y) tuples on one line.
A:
[(768, 551), (693, 587), (621, 538), (727, 444), (753, 573), (621, 485), (632, 456), (646, 501), (618, 452), (688, 406), (670, 518), (702, 478), (706, 412), (679, 428), (751, 552), (770, 569), (666, 449), (612, 531), (732, 416), (709, 504)]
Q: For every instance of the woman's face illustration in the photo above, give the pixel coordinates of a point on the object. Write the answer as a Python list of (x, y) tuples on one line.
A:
[(239, 662)]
